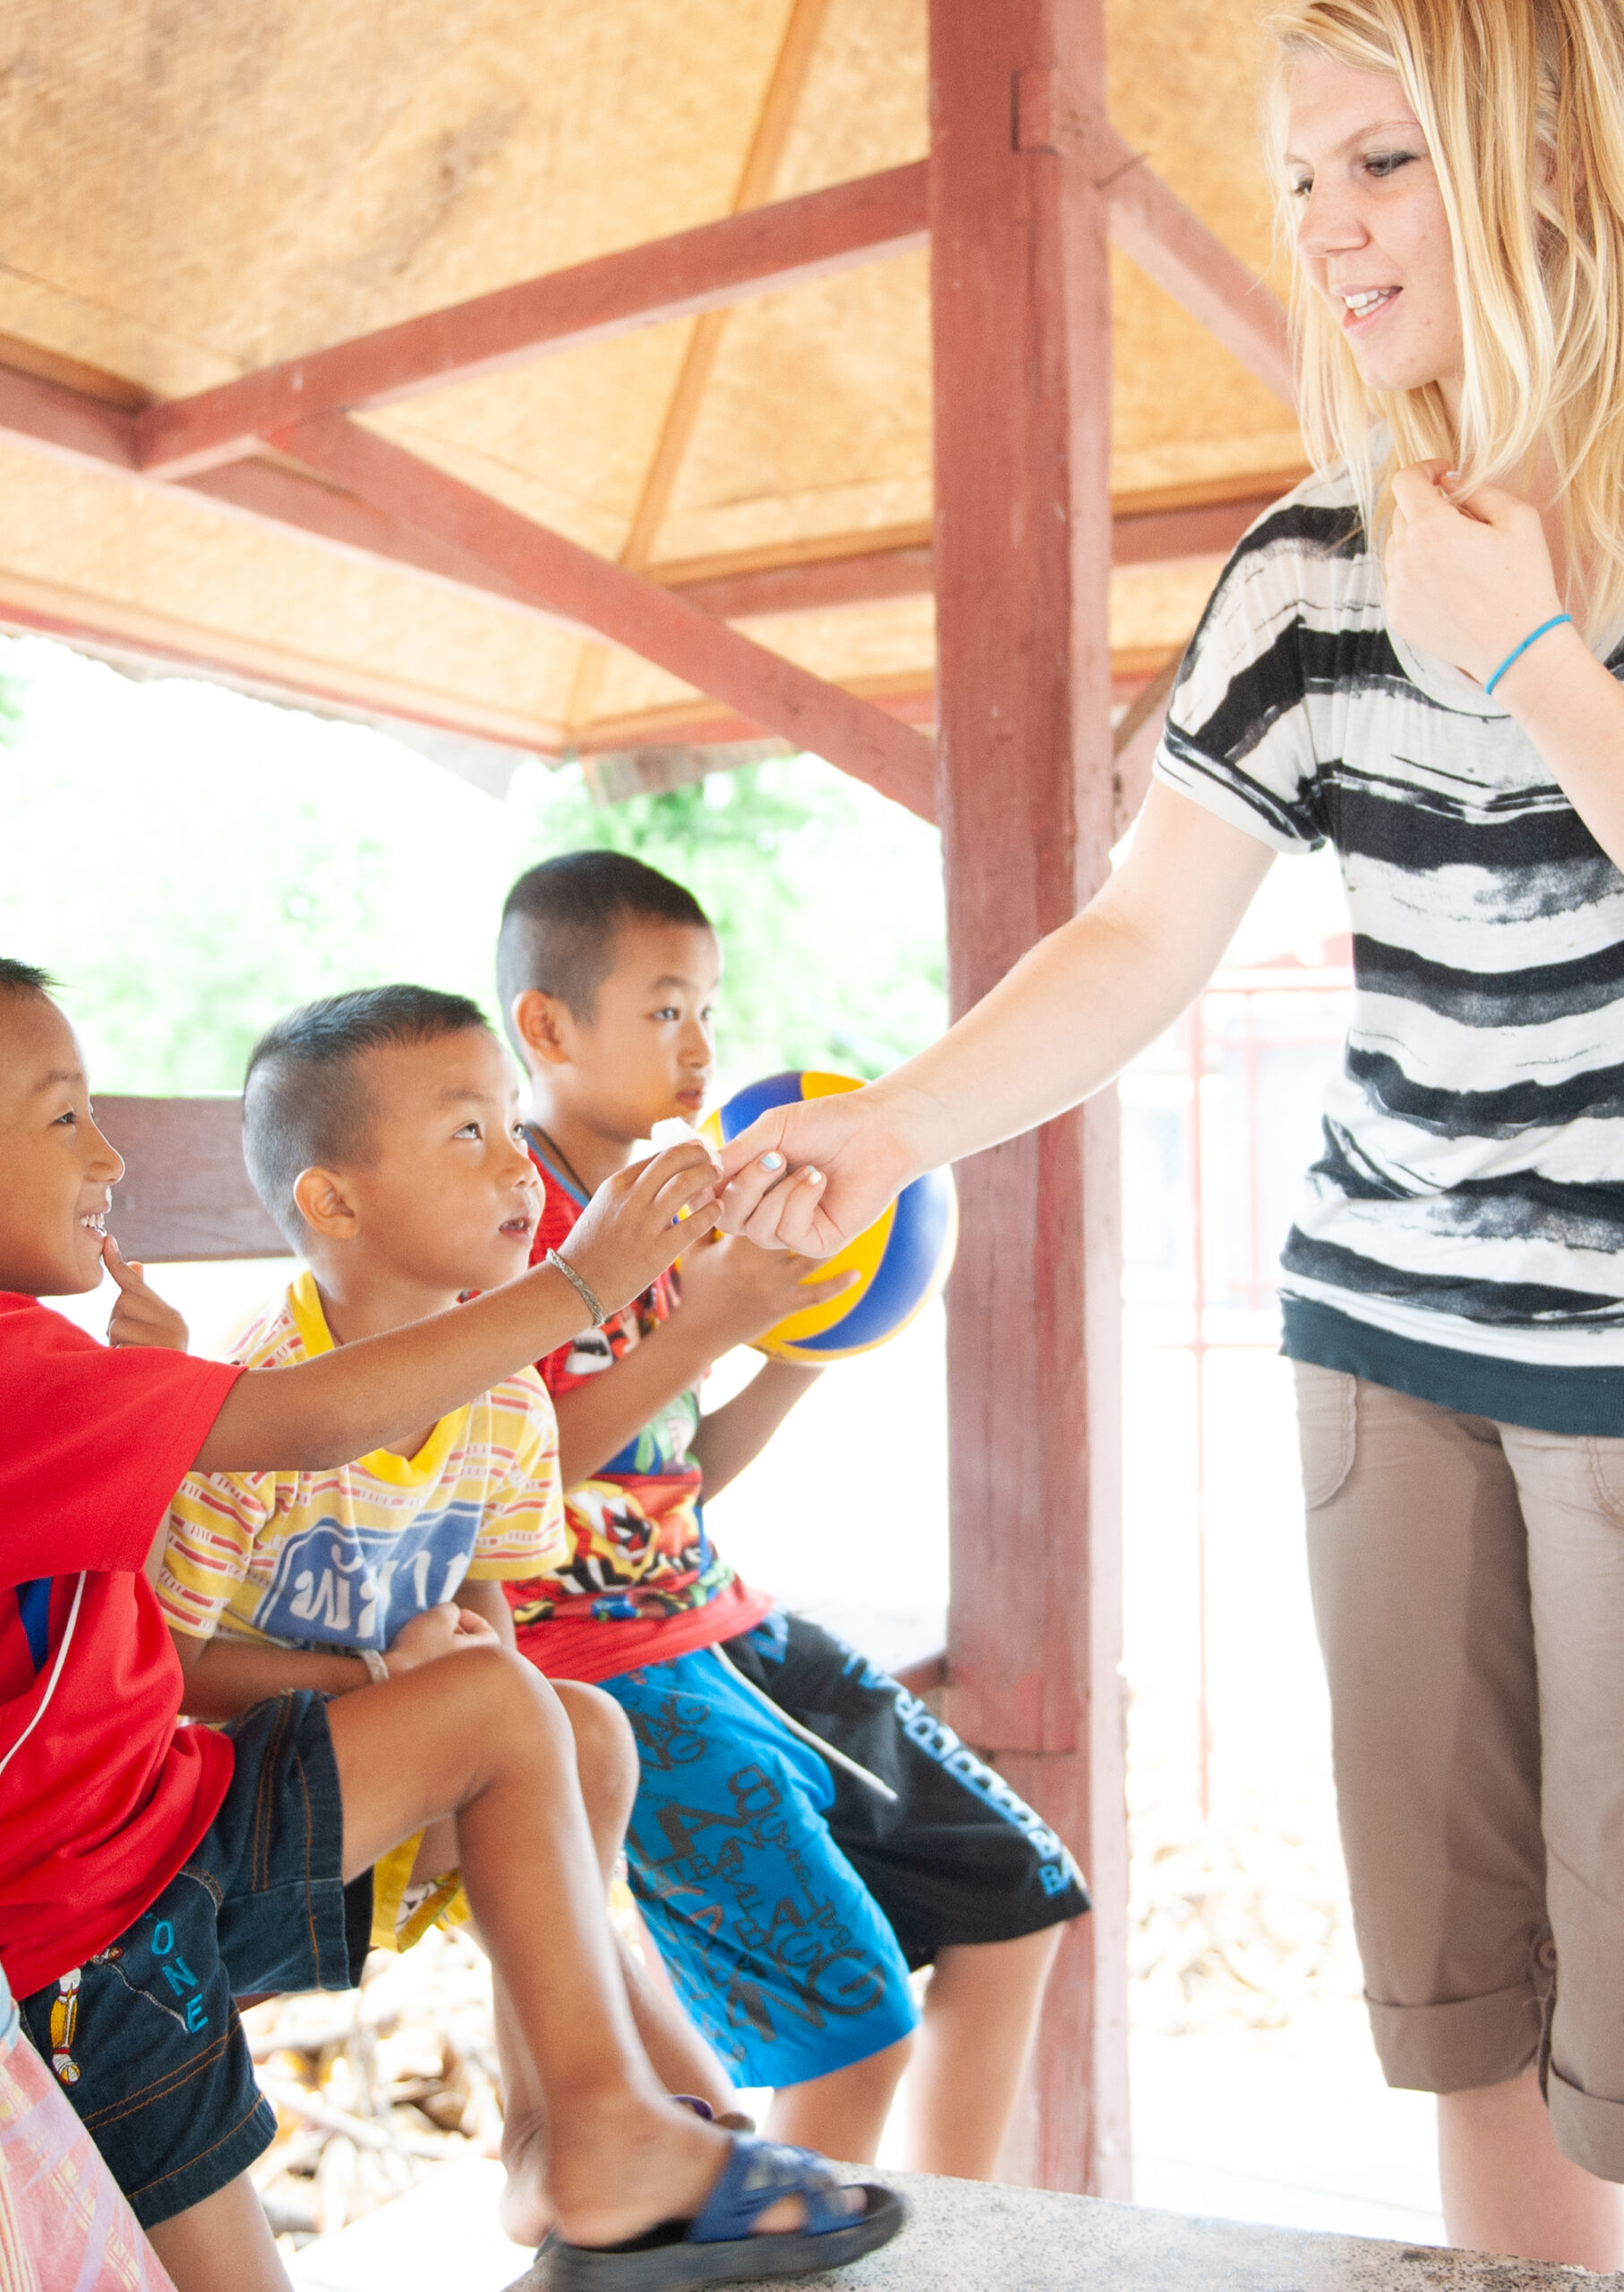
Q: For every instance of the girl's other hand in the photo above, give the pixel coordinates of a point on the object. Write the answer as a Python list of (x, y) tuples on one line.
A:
[(810, 1177), (140, 1315), (1465, 581)]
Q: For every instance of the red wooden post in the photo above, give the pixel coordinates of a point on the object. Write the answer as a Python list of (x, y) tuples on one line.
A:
[(1021, 552)]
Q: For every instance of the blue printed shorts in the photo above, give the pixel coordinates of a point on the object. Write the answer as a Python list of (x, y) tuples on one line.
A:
[(789, 1897), (148, 2048)]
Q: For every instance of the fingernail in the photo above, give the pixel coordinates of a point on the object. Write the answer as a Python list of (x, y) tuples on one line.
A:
[(812, 1176), (771, 1162)]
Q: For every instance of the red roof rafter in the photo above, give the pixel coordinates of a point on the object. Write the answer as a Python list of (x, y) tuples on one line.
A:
[(49, 418), (1155, 229), (865, 577), (401, 511), (625, 607), (785, 244)]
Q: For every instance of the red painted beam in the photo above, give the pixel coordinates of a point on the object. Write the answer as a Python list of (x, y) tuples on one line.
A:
[(1134, 743), (1022, 333), (48, 417), (860, 579), (786, 244), (658, 624), (1172, 536), (463, 539), (52, 419), (1141, 537), (1155, 229), (717, 728)]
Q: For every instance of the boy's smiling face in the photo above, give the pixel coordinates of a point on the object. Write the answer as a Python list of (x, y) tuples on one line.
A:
[(648, 1050), (441, 1195), (56, 1169)]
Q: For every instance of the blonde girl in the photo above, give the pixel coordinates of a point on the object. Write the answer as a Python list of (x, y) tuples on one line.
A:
[(1416, 657)]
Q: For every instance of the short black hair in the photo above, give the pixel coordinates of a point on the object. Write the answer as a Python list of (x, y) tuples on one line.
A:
[(24, 978), (559, 921), (303, 1100)]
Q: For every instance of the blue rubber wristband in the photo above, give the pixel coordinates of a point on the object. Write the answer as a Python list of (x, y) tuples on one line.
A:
[(1543, 630)]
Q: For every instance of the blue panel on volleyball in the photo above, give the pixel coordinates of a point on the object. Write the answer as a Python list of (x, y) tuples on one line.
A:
[(902, 1258)]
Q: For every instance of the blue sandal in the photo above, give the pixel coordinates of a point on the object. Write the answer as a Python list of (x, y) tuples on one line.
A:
[(717, 2247)]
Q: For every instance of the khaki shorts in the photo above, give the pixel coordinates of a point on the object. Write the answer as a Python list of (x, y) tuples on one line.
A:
[(1468, 1586)]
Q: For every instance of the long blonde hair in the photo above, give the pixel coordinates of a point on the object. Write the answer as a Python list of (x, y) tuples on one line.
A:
[(1522, 104)]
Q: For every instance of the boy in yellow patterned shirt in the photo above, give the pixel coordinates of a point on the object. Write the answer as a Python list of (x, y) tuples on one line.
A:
[(381, 1130)]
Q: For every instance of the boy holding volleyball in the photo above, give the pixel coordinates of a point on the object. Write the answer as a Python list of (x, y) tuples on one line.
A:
[(806, 1833)]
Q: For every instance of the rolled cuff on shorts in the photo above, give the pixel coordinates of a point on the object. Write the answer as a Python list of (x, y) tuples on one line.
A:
[(1588, 2132), (1455, 2047)]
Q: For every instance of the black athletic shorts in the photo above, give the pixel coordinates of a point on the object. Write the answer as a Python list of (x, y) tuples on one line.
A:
[(957, 1856)]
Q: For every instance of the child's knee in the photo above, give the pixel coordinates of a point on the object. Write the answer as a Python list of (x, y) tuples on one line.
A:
[(605, 1749), (505, 1695)]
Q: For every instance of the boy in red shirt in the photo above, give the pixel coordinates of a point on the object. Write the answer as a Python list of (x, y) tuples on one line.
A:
[(147, 1872)]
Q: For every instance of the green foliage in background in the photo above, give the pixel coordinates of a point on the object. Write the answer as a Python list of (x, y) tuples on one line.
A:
[(190, 863)]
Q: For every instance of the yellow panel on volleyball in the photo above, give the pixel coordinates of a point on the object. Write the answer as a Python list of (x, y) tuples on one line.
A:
[(861, 1255)]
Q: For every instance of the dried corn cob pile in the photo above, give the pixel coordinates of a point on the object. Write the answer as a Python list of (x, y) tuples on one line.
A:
[(374, 2088), (1240, 1921)]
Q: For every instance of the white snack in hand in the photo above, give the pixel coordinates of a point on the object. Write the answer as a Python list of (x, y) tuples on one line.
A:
[(674, 1131)]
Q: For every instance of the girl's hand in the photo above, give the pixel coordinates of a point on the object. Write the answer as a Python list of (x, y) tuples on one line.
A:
[(140, 1315), (1469, 583), (810, 1177), (629, 1232)]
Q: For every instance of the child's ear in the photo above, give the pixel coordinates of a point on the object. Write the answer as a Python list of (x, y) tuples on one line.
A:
[(324, 1203), (539, 1021)]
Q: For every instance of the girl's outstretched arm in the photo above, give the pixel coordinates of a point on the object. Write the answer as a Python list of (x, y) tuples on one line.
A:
[(1066, 1020)]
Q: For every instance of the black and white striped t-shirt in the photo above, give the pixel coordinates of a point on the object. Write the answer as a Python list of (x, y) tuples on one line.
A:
[(1462, 1236)]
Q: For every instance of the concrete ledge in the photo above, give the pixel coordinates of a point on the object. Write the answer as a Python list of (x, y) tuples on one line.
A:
[(967, 2236)]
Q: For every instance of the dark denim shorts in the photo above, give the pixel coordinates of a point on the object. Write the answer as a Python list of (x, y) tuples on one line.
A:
[(148, 2046)]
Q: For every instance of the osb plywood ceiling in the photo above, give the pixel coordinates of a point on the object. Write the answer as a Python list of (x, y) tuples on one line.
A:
[(191, 192)]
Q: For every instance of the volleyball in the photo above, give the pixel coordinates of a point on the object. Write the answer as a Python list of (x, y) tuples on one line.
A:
[(903, 1257)]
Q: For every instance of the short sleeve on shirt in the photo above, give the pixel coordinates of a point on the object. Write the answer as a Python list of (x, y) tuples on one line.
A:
[(214, 1522), (1239, 737), (522, 1530), (98, 1441)]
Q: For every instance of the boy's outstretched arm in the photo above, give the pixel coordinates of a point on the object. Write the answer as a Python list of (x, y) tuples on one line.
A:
[(378, 1390), (737, 1433), (731, 1292)]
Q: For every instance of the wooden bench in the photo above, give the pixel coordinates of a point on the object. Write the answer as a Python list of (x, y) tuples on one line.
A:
[(185, 1192)]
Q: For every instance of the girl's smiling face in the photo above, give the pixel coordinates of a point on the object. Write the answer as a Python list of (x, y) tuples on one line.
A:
[(1373, 234)]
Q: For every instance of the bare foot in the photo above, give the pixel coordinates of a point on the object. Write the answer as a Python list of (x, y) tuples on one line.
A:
[(664, 2160)]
